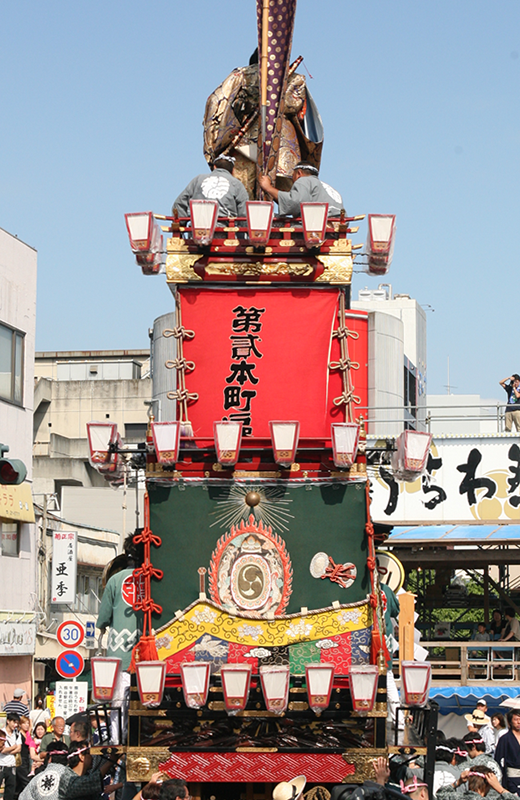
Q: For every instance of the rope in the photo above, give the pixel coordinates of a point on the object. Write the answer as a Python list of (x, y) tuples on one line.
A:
[(180, 332)]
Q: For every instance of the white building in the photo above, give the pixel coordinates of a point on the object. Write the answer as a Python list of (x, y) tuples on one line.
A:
[(18, 564), (396, 359)]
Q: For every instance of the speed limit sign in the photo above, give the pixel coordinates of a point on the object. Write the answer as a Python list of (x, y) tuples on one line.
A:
[(70, 633)]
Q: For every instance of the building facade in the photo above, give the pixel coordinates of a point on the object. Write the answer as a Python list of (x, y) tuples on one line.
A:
[(18, 564)]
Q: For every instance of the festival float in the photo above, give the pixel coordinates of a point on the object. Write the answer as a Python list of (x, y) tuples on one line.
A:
[(263, 654)]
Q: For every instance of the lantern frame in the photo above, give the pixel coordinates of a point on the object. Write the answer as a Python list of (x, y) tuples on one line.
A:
[(314, 236), (105, 692), (363, 703), (227, 455), (411, 464), (99, 458), (285, 453), (166, 438), (319, 700), (414, 695), (343, 457), (150, 698), (232, 702), (275, 701), (202, 234), (259, 237), (196, 699), (141, 245)]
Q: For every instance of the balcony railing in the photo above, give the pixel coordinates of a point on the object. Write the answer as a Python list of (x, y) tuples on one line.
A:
[(472, 663), (485, 418)]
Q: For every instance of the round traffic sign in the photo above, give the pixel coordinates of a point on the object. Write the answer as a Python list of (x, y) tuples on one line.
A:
[(69, 664), (70, 633)]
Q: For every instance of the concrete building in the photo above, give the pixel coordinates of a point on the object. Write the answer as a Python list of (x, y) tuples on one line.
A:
[(396, 360), (464, 414), (18, 565)]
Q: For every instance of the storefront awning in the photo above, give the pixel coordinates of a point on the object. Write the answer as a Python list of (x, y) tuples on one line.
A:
[(463, 699), (455, 534), (16, 503)]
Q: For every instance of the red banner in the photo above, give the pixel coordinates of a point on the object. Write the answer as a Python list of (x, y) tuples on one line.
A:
[(263, 354)]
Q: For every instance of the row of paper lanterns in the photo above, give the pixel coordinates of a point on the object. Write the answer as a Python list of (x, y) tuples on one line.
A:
[(146, 237), (409, 458), (236, 682)]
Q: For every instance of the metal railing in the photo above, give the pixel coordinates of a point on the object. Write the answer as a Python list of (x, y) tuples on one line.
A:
[(431, 417), (471, 662)]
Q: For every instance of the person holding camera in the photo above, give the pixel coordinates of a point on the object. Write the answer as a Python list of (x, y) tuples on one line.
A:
[(513, 401)]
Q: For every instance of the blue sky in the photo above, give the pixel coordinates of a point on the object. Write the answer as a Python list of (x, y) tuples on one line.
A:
[(102, 105)]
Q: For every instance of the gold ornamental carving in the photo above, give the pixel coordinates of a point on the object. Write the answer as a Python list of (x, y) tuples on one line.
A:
[(179, 267), (363, 763), (142, 762), (257, 268), (338, 269)]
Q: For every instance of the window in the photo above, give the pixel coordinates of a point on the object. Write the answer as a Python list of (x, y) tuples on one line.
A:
[(10, 538), (410, 394), (88, 592), (136, 430), (11, 365)]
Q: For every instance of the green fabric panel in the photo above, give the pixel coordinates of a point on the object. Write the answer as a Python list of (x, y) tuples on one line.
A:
[(328, 519), (301, 654)]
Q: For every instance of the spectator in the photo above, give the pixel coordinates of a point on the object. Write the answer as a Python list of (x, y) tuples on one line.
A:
[(480, 723), (57, 735), (11, 745), (79, 730), (15, 706), (39, 732), (498, 721), (513, 397), (39, 713), (507, 753), (23, 769), (497, 625), (480, 636), (512, 629)]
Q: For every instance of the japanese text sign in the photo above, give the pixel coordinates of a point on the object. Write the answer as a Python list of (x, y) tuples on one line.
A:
[(71, 698), (467, 479), (264, 354), (64, 566)]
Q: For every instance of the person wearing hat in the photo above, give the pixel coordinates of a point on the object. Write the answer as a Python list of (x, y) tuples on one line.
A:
[(306, 188), (479, 722), (219, 185), (15, 706), (290, 790), (512, 389)]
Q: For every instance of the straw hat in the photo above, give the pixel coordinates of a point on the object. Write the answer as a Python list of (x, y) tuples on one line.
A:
[(477, 718), (290, 790)]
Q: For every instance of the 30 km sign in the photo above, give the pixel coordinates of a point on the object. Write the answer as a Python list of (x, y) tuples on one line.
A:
[(70, 634)]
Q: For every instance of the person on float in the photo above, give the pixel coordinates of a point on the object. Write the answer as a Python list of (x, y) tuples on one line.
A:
[(306, 188), (219, 185)]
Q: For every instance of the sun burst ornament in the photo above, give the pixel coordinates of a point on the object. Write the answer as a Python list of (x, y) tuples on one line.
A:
[(268, 504)]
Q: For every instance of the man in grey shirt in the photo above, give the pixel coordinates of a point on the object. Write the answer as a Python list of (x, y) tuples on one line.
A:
[(306, 188), (220, 185)]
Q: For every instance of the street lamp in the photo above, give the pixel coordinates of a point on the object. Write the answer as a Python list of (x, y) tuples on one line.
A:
[(236, 679), (275, 685), (151, 676), (319, 679), (259, 220), (228, 437), (314, 219), (166, 441), (105, 672), (195, 683), (284, 436), (345, 440), (363, 687), (204, 215), (416, 676)]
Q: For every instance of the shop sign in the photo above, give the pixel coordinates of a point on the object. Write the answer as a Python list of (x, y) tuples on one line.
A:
[(17, 638), (64, 567), (16, 503)]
